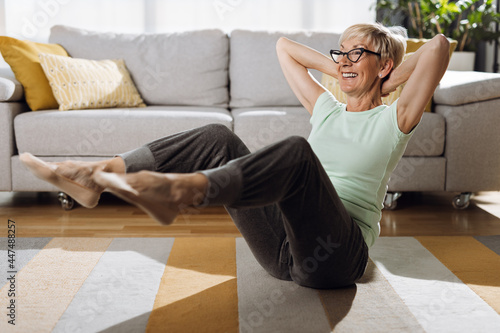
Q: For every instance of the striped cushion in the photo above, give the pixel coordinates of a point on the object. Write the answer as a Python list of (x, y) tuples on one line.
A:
[(215, 285)]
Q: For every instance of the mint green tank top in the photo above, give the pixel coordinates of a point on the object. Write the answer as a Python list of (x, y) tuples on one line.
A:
[(359, 151)]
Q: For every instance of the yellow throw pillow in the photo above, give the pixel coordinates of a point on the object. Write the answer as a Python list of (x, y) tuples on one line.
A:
[(22, 56), (413, 44), (90, 84), (332, 84)]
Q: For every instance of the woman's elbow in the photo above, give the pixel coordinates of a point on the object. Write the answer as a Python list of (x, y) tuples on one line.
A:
[(442, 44), (280, 44)]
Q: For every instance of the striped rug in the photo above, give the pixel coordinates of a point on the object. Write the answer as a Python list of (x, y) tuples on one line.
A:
[(412, 284)]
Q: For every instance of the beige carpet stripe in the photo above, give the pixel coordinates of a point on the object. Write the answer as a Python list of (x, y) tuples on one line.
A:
[(371, 305), (25, 249), (120, 292), (436, 297), (47, 284), (472, 262), (198, 291)]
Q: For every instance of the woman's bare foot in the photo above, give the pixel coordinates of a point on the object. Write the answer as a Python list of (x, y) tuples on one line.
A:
[(72, 177), (162, 196)]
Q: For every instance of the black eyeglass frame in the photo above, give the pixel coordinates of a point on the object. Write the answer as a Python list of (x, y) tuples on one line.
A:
[(340, 53)]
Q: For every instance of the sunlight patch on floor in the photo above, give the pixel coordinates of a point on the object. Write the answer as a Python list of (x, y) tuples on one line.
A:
[(488, 201)]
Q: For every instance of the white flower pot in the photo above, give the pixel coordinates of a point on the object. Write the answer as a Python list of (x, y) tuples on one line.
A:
[(462, 61)]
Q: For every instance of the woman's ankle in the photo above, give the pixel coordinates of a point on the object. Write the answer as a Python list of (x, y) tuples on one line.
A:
[(115, 165), (193, 186)]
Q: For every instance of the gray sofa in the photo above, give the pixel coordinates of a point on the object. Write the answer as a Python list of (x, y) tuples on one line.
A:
[(193, 78)]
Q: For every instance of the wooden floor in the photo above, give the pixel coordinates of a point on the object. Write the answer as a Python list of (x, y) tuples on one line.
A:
[(40, 215)]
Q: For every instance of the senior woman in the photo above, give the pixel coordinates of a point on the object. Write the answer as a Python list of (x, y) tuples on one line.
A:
[(309, 210)]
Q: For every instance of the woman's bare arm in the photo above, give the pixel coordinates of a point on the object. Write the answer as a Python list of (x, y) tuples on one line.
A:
[(295, 59), (422, 73)]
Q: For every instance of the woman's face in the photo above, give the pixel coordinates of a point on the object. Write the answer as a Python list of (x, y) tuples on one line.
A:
[(358, 78)]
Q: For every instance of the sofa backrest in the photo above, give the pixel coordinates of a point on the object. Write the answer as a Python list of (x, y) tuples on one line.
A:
[(255, 75), (197, 67), (185, 68)]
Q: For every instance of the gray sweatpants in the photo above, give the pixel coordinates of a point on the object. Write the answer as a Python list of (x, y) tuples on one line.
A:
[(279, 197)]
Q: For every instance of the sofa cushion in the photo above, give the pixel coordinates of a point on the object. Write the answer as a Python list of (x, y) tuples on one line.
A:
[(259, 127), (255, 74), (185, 68), (462, 87), (429, 137), (415, 173), (107, 131)]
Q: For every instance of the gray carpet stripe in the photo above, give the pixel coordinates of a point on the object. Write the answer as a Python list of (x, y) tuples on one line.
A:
[(437, 298), (369, 306), (267, 304), (492, 242), (123, 285), (25, 249)]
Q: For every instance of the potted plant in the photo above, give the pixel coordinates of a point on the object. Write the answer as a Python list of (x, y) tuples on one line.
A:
[(475, 24), (470, 22), (423, 19)]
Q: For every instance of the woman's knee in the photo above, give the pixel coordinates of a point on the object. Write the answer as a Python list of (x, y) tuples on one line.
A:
[(224, 136), (215, 130), (298, 145)]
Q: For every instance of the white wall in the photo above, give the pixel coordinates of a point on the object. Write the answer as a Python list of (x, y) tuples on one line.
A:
[(32, 19)]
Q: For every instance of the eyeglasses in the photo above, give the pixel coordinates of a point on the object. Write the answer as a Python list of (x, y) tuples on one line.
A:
[(354, 55)]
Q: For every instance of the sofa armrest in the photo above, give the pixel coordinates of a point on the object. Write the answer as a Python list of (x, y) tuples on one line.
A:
[(472, 147), (463, 87), (10, 89), (8, 111)]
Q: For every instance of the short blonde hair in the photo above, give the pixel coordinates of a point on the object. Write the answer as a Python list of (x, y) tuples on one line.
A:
[(389, 42)]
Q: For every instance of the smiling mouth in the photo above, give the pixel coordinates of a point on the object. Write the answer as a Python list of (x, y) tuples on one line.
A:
[(349, 75)]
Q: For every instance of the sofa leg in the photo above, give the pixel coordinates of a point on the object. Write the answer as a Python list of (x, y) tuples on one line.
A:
[(67, 202), (462, 200), (390, 201)]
